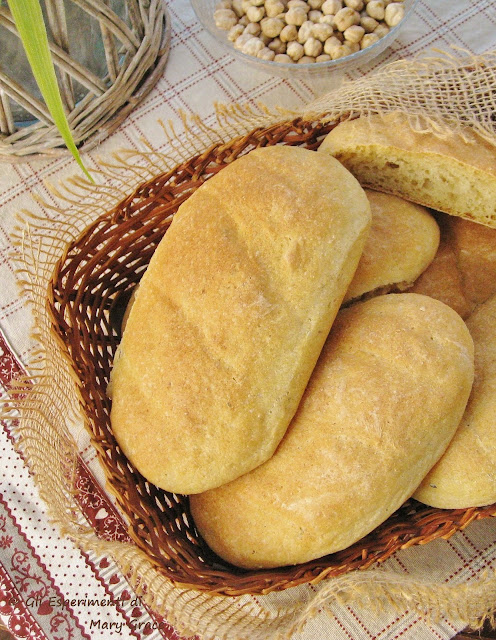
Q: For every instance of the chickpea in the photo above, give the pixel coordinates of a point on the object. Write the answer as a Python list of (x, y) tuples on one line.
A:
[(237, 7), (252, 46), (339, 52), (235, 32), (272, 27), (253, 28), (381, 30), (346, 17), (305, 31), (299, 4), (394, 13), (240, 42), (273, 8), (322, 31), (296, 16), (329, 19), (313, 47), (368, 23), (330, 44), (369, 39), (225, 19), (331, 7), (255, 14), (277, 46), (354, 33), (357, 5), (290, 32), (295, 50), (375, 9), (314, 15), (266, 54), (347, 49)]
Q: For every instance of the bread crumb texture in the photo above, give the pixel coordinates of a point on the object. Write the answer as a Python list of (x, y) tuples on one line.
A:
[(455, 173)]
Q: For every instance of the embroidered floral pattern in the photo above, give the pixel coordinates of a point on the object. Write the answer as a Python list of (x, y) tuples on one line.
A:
[(97, 507), (30, 604)]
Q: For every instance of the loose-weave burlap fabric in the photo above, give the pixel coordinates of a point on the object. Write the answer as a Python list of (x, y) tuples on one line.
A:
[(448, 91)]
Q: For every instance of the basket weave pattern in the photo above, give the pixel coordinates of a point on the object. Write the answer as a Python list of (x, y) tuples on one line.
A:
[(89, 292), (135, 48)]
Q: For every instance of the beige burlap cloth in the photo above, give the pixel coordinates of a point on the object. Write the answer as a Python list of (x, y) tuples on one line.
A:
[(450, 90)]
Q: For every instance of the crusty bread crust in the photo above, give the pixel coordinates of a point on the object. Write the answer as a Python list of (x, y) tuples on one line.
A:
[(475, 250), (455, 173), (463, 272), (466, 474), (402, 242), (231, 315), (382, 405)]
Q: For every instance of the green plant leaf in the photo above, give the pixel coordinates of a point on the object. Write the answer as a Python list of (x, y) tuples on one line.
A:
[(28, 18)]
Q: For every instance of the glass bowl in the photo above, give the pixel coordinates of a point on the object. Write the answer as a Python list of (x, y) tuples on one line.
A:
[(204, 10)]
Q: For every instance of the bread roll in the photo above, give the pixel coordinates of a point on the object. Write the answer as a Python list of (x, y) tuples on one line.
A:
[(382, 404), (475, 249), (463, 272), (231, 315), (466, 474), (402, 242), (455, 174), (442, 279)]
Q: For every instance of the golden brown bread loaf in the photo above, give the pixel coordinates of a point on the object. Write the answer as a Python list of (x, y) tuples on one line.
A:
[(382, 404), (475, 249), (402, 242), (442, 279), (231, 315), (463, 272), (455, 174), (465, 476)]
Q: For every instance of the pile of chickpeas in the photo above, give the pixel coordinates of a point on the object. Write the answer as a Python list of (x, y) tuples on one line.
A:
[(302, 31)]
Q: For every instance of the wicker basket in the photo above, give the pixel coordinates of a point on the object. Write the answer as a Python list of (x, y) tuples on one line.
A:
[(89, 292), (114, 60)]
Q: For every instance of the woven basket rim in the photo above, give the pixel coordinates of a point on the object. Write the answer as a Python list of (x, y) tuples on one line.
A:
[(174, 547)]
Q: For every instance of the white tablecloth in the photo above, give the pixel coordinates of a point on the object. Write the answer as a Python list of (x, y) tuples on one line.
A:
[(48, 588)]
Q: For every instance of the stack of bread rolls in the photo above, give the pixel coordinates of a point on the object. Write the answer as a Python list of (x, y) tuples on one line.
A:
[(312, 342)]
